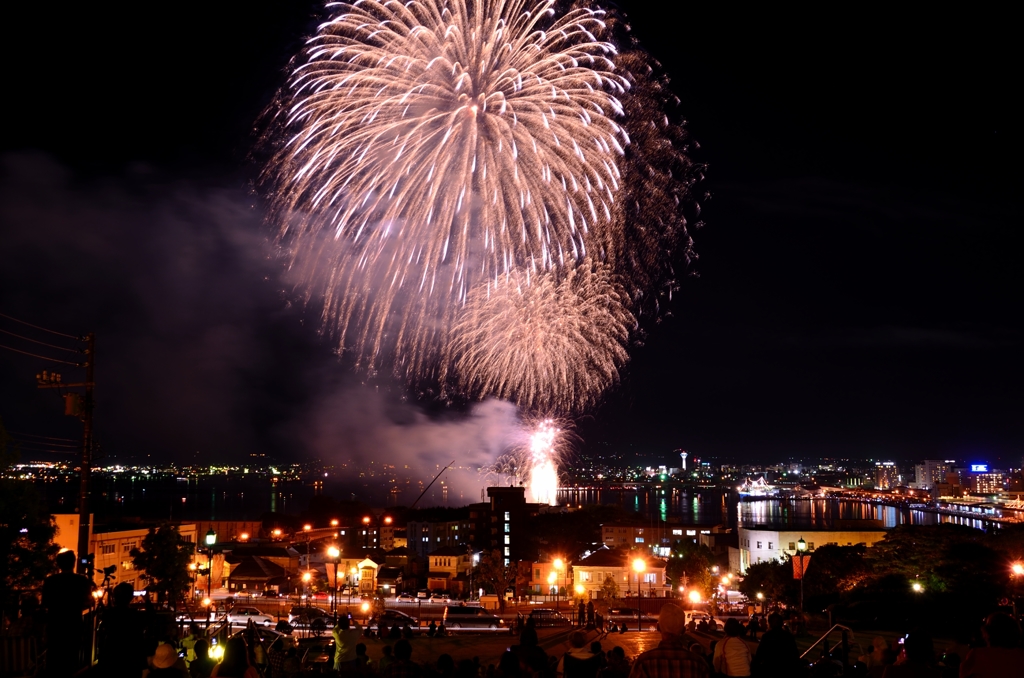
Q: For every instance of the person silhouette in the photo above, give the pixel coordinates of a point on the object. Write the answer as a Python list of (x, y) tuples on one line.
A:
[(65, 595)]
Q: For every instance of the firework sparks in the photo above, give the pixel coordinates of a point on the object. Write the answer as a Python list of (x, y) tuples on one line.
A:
[(543, 482), (441, 144), (544, 344)]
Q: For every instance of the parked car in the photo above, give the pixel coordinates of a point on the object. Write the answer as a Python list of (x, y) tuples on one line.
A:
[(270, 593), (405, 597), (547, 617), (618, 613), (439, 598), (391, 617), (241, 614), (466, 617), (306, 616)]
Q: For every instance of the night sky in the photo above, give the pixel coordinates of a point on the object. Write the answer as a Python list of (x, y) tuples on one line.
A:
[(858, 292)]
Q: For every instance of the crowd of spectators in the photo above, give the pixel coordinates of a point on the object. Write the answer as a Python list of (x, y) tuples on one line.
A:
[(135, 643)]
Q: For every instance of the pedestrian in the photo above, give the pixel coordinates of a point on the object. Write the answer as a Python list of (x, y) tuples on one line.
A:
[(1002, 654), (579, 661), (346, 636), (202, 665), (403, 666), (65, 596), (732, 656), (581, 614), (752, 627), (617, 664), (236, 661), (776, 653), (672, 658), (385, 658)]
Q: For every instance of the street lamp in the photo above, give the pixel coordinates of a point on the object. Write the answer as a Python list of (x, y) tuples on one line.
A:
[(334, 554), (639, 565), (211, 539), (306, 577), (801, 548), (559, 567), (917, 587), (695, 596)]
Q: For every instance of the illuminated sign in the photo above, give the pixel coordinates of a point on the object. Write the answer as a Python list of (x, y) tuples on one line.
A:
[(979, 468)]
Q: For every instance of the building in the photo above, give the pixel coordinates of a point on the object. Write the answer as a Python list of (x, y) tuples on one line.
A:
[(988, 482), (591, 573), (500, 523), (758, 545), (887, 475), (449, 569), (930, 473), (112, 546), (422, 537), (655, 537)]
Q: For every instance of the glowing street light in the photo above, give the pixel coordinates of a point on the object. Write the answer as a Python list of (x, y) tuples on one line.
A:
[(917, 587), (334, 553), (1017, 569), (334, 522), (307, 527), (801, 548), (559, 567), (695, 596), (211, 539)]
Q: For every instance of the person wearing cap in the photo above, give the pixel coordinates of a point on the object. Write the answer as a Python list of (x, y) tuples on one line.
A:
[(166, 663), (672, 658)]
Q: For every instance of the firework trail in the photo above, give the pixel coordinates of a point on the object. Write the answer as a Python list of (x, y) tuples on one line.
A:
[(546, 345), (434, 145), (543, 481)]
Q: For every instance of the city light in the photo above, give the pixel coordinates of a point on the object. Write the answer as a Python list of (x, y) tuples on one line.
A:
[(580, 589), (1017, 569), (206, 602), (277, 532), (307, 576), (559, 564), (365, 607), (639, 565), (334, 522), (760, 596), (244, 536), (307, 527), (695, 597), (333, 552), (917, 587)]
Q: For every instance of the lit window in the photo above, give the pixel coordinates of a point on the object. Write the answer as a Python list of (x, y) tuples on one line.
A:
[(639, 540), (758, 544), (769, 546), (508, 539), (810, 546), (506, 527), (508, 516), (792, 546), (677, 532), (691, 533), (507, 551)]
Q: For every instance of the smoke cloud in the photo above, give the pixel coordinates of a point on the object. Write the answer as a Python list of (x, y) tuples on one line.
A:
[(202, 353)]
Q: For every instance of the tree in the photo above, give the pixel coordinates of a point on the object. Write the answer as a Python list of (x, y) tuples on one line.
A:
[(500, 577), (164, 557), (834, 570), (610, 589), (770, 577), (26, 532), (694, 562)]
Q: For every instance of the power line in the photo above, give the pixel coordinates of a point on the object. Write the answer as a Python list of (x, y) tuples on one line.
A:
[(36, 435), (40, 443), (43, 343), (37, 327), (41, 357)]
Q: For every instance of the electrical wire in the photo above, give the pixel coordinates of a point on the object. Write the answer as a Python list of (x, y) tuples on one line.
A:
[(41, 357), (37, 327), (36, 435), (47, 445), (43, 343)]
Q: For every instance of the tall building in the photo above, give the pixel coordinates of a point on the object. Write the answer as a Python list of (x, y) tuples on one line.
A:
[(887, 475), (932, 472)]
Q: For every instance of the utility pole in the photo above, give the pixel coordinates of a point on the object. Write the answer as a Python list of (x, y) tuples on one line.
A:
[(81, 407)]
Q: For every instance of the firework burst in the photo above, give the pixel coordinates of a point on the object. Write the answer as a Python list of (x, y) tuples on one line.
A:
[(546, 345), (439, 144)]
